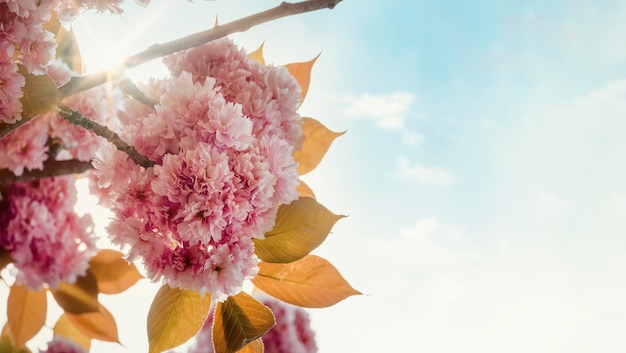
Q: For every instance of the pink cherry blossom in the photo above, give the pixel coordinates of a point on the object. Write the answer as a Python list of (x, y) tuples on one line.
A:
[(47, 241), (219, 174), (11, 83), (25, 148), (291, 334), (63, 345)]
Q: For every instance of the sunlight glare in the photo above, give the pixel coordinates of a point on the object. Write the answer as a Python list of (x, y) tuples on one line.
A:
[(105, 41)]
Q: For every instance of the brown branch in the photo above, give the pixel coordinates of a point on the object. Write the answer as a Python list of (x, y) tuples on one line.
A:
[(51, 168), (132, 90), (6, 129), (79, 84), (77, 118)]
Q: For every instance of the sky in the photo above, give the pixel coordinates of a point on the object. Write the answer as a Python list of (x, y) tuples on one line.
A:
[(483, 170)]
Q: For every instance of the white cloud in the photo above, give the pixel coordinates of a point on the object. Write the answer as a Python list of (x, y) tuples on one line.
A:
[(412, 139), (418, 173), (387, 110)]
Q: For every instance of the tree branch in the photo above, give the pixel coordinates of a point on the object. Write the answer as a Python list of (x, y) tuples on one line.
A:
[(51, 168), (77, 118), (79, 84)]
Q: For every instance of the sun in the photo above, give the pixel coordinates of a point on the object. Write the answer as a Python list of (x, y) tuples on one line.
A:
[(106, 40)]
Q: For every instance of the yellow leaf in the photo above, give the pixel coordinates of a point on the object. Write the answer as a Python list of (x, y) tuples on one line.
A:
[(239, 320), (255, 346), (98, 324), (26, 313), (175, 316), (80, 297), (302, 73), (258, 55), (310, 282), (113, 274), (53, 24), (65, 328), (304, 190), (316, 143), (41, 94), (67, 49), (301, 226)]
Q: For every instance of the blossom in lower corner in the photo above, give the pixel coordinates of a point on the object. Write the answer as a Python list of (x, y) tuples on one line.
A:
[(291, 334), (62, 345)]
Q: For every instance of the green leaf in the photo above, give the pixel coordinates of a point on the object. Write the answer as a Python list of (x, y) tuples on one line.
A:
[(26, 313), (240, 320), (6, 346), (301, 226), (113, 274), (80, 297), (318, 139), (310, 282), (175, 316), (41, 94)]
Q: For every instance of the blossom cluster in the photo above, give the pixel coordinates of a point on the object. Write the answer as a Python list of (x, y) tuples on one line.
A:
[(62, 345), (28, 147), (291, 334), (24, 40), (222, 138), (47, 241)]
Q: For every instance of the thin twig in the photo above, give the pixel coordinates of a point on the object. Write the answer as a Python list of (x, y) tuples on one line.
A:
[(77, 118), (132, 90), (51, 168), (79, 84)]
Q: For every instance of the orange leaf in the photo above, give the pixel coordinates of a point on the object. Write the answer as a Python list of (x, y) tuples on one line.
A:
[(80, 297), (99, 324), (309, 282), (26, 313), (240, 320), (257, 55), (53, 24), (65, 328), (316, 143), (112, 273), (304, 190), (175, 316), (301, 226), (255, 346), (302, 73)]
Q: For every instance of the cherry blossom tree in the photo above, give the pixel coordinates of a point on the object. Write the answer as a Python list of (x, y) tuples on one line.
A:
[(200, 169)]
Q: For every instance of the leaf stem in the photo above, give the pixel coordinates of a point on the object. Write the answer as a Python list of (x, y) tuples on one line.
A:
[(77, 118), (79, 84)]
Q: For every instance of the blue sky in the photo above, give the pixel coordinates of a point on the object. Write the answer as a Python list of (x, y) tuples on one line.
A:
[(483, 170)]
